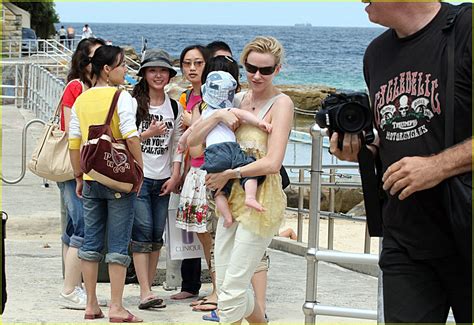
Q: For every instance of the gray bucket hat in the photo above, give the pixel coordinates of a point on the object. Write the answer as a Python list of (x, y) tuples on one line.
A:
[(157, 58), (219, 89)]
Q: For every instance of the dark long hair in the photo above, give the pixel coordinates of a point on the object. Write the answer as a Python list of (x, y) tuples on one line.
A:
[(202, 49), (110, 55), (142, 95), (80, 60), (222, 63)]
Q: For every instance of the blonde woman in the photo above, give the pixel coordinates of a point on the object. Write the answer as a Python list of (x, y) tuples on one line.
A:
[(240, 247)]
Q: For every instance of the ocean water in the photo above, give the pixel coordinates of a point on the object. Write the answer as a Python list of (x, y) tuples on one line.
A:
[(330, 56)]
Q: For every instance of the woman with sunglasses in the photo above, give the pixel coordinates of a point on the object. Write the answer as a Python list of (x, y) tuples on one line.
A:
[(193, 206), (104, 208), (73, 295), (239, 248)]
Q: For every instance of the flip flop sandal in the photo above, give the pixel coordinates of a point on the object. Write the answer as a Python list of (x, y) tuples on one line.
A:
[(160, 306), (206, 303), (198, 301), (129, 319), (150, 302), (213, 317)]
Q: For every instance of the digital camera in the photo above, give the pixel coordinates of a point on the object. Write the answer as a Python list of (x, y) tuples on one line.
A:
[(346, 113)]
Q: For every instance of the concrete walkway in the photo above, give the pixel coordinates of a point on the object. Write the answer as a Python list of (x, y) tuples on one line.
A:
[(33, 259)]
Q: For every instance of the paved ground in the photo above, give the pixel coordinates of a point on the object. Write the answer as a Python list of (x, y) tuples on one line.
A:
[(33, 259)]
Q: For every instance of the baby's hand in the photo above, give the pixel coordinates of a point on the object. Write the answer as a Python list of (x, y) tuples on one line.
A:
[(157, 128), (264, 126)]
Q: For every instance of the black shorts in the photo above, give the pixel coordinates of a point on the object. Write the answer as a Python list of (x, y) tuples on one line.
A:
[(422, 291)]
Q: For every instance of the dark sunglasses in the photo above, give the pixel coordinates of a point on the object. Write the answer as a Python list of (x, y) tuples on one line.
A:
[(265, 71)]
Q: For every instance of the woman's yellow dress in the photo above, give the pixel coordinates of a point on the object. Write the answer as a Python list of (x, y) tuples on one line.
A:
[(270, 194)]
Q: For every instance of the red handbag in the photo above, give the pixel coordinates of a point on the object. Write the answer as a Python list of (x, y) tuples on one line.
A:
[(109, 161)]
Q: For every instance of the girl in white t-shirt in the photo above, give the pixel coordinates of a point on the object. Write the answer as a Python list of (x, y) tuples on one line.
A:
[(158, 119)]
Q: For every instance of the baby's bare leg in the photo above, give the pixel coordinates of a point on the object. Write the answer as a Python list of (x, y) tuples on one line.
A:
[(223, 207), (251, 194)]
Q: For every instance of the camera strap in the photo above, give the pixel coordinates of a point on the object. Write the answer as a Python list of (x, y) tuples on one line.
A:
[(371, 190)]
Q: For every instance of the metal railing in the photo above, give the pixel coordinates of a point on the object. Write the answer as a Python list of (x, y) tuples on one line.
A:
[(43, 92), (330, 215), (311, 308)]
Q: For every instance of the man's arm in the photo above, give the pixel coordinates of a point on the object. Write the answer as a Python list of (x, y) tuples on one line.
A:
[(414, 174)]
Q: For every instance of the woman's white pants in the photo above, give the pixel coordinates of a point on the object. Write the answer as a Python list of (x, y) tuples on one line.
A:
[(237, 254)]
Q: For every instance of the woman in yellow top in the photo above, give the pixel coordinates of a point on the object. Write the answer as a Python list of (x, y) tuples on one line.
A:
[(104, 208), (239, 248)]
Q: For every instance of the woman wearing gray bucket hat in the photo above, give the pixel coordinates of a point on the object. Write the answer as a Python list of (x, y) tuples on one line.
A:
[(158, 122), (157, 58)]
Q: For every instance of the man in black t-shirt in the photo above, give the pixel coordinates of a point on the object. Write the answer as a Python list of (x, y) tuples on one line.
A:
[(405, 68)]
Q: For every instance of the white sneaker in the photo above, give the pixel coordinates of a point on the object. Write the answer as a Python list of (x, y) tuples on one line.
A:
[(75, 300)]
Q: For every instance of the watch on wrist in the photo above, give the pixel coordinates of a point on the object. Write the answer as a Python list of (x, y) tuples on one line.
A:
[(237, 172)]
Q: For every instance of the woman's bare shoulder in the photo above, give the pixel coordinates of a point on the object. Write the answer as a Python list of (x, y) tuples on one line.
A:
[(285, 101)]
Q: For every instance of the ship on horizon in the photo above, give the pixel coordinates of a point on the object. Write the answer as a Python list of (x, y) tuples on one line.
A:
[(303, 25)]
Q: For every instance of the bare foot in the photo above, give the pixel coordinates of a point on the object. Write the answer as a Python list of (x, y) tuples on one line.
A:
[(228, 222), (253, 203)]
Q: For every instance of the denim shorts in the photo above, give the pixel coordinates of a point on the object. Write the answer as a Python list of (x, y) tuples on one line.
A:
[(73, 235), (151, 212), (106, 210)]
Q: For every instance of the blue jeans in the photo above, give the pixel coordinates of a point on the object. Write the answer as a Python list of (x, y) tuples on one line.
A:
[(106, 209), (151, 212), (73, 235)]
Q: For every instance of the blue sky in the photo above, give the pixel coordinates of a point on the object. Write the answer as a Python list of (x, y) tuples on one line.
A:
[(346, 14)]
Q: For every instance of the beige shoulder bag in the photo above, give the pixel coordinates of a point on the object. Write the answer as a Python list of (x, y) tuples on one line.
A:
[(50, 159)]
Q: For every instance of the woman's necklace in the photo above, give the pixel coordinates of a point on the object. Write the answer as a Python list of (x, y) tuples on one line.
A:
[(257, 104)]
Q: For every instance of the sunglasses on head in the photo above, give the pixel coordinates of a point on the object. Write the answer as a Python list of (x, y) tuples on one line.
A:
[(266, 71)]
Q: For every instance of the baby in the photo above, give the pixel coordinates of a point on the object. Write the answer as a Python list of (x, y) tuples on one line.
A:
[(222, 151)]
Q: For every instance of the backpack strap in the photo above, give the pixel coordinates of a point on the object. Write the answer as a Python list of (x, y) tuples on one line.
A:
[(174, 106), (454, 12), (113, 104)]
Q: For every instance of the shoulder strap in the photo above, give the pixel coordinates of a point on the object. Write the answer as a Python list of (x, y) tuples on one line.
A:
[(267, 106), (188, 94), (239, 97), (112, 106), (174, 106), (454, 12), (450, 29)]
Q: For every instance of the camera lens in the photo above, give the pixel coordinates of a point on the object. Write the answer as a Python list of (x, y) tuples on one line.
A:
[(352, 118)]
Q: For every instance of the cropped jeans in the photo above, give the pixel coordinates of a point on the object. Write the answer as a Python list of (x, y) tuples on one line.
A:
[(151, 212), (106, 210), (73, 235)]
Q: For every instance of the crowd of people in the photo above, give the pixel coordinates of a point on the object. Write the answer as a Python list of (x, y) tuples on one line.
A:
[(215, 134)]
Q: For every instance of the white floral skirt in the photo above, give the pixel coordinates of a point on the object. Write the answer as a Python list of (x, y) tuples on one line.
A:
[(193, 207)]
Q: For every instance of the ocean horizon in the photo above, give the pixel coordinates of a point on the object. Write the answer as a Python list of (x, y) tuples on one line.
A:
[(328, 56)]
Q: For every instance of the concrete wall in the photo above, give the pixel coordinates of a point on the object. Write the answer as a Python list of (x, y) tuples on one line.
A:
[(11, 29), (24, 15)]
